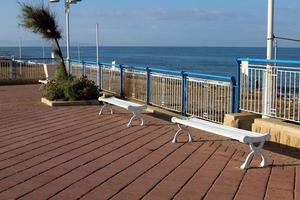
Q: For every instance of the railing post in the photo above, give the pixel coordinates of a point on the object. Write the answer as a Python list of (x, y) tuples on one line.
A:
[(11, 65), (148, 86), (121, 81), (99, 75), (236, 90), (234, 96), (183, 93), (13, 70)]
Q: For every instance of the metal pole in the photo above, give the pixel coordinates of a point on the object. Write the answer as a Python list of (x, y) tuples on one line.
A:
[(20, 49), (122, 81), (270, 34), (20, 54), (67, 11), (148, 86), (183, 93), (43, 48), (267, 77), (78, 52), (275, 49), (97, 56), (97, 42)]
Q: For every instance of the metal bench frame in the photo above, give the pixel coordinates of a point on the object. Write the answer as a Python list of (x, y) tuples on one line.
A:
[(135, 108), (250, 138)]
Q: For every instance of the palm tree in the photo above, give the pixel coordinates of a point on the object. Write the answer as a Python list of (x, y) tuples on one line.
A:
[(39, 19)]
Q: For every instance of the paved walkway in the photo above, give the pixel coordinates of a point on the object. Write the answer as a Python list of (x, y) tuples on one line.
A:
[(72, 153)]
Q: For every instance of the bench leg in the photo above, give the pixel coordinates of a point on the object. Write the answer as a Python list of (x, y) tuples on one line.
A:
[(255, 151), (136, 115), (104, 106), (182, 129)]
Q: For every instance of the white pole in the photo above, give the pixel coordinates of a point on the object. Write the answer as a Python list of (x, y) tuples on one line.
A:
[(78, 52), (67, 11), (43, 46), (20, 55), (267, 77), (97, 42), (275, 48), (97, 56), (20, 49), (270, 33)]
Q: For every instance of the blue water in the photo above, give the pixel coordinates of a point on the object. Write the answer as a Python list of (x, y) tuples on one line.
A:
[(211, 60)]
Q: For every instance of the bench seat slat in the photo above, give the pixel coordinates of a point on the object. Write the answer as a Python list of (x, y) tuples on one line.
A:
[(234, 133), (135, 108), (243, 136), (122, 103)]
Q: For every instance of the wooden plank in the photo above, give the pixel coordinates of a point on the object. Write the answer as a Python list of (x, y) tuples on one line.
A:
[(146, 186), (254, 183), (72, 170), (229, 180), (202, 181), (281, 183), (157, 168)]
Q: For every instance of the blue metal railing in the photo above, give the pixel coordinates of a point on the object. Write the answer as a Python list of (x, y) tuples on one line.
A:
[(167, 81), (255, 60), (245, 92), (270, 87), (204, 95)]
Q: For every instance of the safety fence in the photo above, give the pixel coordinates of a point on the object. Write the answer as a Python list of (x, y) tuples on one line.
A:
[(12, 70), (206, 96), (270, 87), (266, 87)]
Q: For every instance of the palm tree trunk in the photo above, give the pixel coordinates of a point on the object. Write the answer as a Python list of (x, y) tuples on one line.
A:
[(61, 57)]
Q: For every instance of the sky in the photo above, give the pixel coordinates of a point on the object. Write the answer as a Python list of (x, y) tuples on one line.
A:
[(234, 23)]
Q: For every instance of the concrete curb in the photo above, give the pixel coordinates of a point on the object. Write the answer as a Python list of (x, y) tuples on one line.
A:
[(69, 103)]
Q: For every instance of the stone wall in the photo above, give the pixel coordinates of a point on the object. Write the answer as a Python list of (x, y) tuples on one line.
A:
[(285, 133)]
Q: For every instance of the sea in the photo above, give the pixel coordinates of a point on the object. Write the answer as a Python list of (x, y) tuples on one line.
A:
[(209, 60)]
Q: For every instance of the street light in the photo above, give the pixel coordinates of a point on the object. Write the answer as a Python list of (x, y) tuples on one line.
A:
[(67, 12), (268, 85)]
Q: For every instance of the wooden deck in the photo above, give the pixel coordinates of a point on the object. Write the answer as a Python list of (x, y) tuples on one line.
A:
[(72, 153)]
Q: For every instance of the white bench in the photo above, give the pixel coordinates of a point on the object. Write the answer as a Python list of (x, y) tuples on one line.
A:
[(49, 70), (243, 136), (135, 108), (44, 82)]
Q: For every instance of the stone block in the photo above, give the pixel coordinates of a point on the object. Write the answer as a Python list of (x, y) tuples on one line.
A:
[(282, 132), (242, 120)]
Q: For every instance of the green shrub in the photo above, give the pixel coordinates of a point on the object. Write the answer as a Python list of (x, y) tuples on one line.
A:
[(53, 91), (85, 89), (71, 89)]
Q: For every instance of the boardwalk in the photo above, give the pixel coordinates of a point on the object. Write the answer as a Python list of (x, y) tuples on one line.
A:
[(72, 153)]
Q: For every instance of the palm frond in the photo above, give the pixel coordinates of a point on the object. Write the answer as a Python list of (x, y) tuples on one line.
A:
[(40, 19)]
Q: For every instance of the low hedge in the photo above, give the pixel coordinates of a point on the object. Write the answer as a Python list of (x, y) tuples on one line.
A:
[(71, 89)]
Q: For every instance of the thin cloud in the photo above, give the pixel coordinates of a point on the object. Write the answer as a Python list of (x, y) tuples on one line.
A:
[(194, 14), (290, 9)]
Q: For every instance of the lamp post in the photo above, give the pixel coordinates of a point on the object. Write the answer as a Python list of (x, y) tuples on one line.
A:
[(267, 78), (270, 33), (67, 12)]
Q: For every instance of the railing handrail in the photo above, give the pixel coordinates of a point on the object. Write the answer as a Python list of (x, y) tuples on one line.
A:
[(258, 60), (168, 83), (32, 58), (159, 70), (152, 69)]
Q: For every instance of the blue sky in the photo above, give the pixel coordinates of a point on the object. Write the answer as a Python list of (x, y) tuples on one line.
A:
[(162, 22)]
